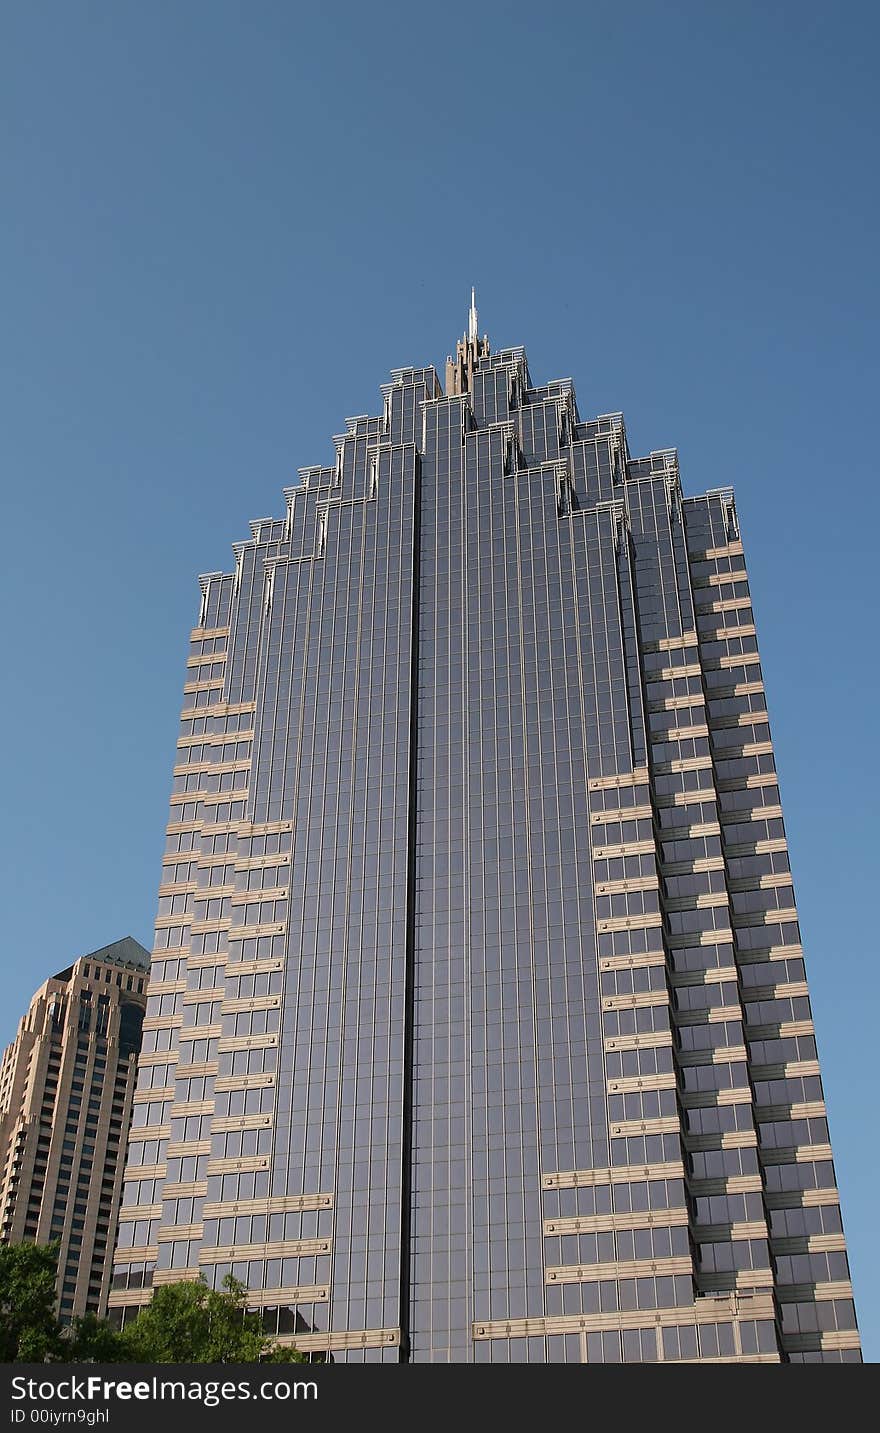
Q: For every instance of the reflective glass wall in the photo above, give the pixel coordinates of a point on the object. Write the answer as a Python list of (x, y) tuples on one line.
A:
[(478, 1025)]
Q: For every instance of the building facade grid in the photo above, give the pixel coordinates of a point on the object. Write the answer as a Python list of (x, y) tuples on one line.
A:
[(67, 1083), (478, 1025)]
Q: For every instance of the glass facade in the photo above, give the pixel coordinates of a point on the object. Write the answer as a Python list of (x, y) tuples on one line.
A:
[(478, 1027)]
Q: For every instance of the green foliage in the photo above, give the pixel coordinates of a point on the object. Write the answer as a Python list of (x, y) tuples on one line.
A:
[(29, 1330), (93, 1340), (283, 1353), (187, 1322)]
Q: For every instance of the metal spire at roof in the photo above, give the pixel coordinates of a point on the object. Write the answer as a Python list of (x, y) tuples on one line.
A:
[(468, 352)]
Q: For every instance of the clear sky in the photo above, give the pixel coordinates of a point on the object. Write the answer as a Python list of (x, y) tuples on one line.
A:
[(224, 222)]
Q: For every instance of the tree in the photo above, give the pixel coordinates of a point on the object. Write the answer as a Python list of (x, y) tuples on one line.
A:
[(29, 1329), (93, 1340), (187, 1322)]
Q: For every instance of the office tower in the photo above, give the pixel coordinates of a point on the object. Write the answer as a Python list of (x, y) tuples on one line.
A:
[(478, 1026), (66, 1087)]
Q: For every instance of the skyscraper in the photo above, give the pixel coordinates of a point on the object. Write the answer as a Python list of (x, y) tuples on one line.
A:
[(478, 1026), (66, 1087)]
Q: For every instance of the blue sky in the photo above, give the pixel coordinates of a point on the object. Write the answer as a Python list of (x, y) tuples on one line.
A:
[(224, 223)]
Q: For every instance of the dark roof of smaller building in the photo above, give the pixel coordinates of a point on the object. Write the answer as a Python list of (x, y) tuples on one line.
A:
[(127, 952)]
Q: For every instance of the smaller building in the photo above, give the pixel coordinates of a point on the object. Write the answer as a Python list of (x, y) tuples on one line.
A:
[(66, 1086)]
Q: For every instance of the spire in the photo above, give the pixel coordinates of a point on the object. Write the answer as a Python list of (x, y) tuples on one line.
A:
[(468, 352)]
